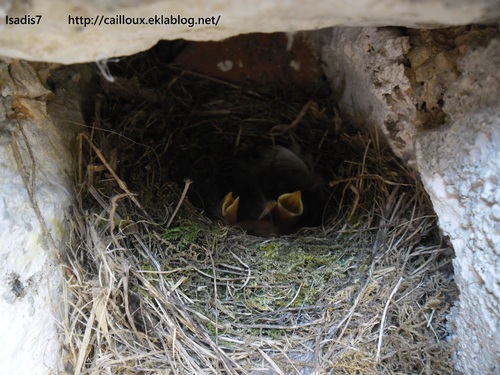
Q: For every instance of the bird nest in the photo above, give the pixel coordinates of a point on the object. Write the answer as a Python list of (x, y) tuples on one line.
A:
[(157, 286)]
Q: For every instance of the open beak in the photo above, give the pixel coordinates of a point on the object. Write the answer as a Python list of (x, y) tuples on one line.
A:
[(291, 204), (279, 216), (287, 211), (230, 208)]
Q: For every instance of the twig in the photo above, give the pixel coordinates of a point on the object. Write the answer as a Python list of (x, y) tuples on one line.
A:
[(187, 182), (384, 317), (112, 213), (216, 300), (348, 317), (270, 361), (219, 81), (126, 280), (366, 177), (283, 128), (86, 340), (120, 182)]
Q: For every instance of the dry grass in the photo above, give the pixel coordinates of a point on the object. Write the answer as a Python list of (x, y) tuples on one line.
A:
[(157, 287)]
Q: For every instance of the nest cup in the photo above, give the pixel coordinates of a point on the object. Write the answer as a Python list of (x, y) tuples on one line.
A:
[(159, 284)]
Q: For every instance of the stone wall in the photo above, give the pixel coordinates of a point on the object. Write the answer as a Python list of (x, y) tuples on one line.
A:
[(460, 166), (56, 38), (36, 185), (366, 69)]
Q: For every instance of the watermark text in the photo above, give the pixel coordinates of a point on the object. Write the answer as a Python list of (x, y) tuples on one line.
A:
[(121, 19)]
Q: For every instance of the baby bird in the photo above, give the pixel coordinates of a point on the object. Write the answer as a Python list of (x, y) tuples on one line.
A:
[(261, 179), (271, 192), (278, 217), (287, 212)]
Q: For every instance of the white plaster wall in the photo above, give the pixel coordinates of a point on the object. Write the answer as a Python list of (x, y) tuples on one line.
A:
[(365, 68), (460, 167), (31, 282), (54, 40)]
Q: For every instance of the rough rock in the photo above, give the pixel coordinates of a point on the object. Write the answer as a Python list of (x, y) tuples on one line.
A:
[(36, 165), (460, 167), (365, 67), (63, 35)]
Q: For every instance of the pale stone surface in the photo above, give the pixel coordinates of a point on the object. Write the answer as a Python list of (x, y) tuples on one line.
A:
[(31, 282), (460, 167), (54, 40), (365, 68)]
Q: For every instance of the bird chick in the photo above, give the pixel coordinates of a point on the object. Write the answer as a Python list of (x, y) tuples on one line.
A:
[(271, 192), (287, 212), (261, 178), (281, 216), (229, 213), (277, 169)]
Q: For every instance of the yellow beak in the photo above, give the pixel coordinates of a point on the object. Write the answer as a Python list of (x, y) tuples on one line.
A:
[(287, 212), (230, 208), (291, 204)]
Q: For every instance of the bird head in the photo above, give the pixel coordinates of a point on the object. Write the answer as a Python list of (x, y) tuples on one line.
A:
[(288, 212)]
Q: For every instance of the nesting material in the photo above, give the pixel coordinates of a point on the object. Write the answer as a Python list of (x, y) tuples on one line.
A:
[(157, 286)]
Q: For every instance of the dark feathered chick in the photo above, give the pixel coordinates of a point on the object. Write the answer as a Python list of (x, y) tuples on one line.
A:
[(276, 171), (275, 193)]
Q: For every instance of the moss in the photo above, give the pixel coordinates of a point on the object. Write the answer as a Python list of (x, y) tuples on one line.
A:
[(187, 233)]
